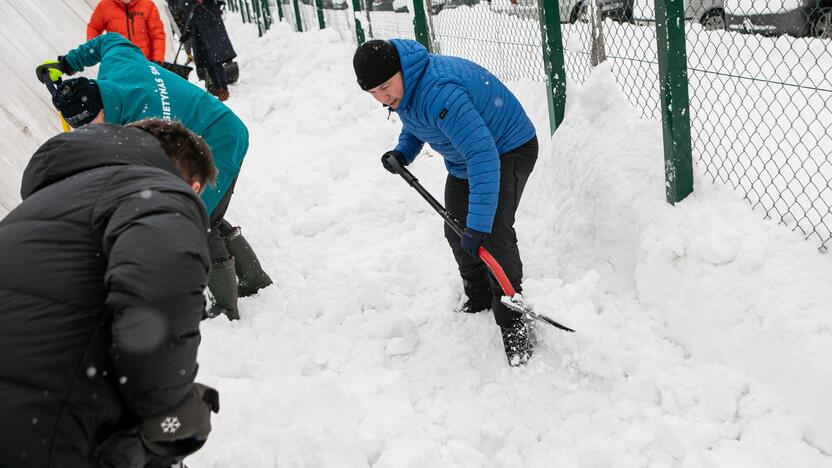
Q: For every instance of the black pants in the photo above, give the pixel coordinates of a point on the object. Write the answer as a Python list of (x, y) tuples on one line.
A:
[(216, 72), (515, 168), (220, 227)]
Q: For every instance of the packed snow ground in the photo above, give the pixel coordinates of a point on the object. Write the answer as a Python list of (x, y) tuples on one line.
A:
[(704, 333)]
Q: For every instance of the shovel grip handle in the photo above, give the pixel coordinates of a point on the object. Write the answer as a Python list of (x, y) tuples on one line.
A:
[(497, 270)]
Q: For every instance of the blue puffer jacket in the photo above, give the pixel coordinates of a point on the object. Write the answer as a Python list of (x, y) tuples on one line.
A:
[(466, 114)]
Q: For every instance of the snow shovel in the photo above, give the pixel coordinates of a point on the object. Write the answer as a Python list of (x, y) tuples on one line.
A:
[(50, 86), (511, 298), (182, 70)]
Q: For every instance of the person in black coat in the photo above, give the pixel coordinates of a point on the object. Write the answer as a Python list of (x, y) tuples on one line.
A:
[(211, 44), (101, 296)]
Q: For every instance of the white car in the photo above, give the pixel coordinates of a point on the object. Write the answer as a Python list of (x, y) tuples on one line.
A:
[(710, 13)]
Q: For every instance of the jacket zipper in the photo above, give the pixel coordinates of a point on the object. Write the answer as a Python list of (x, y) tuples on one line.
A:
[(127, 14)]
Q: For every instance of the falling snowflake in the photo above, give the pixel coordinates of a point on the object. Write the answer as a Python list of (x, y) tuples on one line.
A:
[(170, 425)]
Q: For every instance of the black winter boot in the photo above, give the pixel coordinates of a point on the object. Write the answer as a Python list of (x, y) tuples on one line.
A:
[(472, 307), (479, 296), (247, 266), (223, 286), (519, 341)]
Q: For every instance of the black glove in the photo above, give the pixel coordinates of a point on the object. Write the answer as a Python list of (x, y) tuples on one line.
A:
[(181, 432), (185, 37), (471, 240), (392, 160), (59, 65)]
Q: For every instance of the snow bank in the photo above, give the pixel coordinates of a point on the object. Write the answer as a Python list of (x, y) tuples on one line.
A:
[(728, 287), (356, 359)]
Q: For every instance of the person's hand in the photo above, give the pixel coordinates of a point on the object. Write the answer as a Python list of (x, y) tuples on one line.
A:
[(183, 431), (185, 37), (392, 160), (55, 68), (471, 240)]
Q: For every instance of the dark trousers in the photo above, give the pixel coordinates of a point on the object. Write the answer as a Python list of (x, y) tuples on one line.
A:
[(515, 168), (220, 227), (217, 73)]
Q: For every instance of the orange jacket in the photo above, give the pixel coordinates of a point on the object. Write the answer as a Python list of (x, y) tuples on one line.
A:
[(138, 21)]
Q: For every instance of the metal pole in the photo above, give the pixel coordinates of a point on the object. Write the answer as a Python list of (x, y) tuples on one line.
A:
[(673, 80), (553, 61), (420, 24), (359, 30), (319, 7), (297, 15)]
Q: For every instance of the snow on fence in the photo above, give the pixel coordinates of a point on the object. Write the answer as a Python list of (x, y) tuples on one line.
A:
[(758, 83)]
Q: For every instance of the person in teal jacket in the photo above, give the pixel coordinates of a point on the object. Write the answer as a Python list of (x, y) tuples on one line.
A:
[(131, 88), (489, 146)]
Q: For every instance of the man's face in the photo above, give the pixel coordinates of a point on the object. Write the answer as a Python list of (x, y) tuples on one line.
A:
[(390, 92)]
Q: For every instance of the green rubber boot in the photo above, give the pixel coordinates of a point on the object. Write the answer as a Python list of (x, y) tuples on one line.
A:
[(223, 286), (249, 272)]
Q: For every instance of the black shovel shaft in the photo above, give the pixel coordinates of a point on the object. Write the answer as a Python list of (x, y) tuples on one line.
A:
[(414, 182), (187, 26), (48, 82)]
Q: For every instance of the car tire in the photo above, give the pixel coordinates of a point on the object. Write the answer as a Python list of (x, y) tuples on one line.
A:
[(822, 24), (713, 20)]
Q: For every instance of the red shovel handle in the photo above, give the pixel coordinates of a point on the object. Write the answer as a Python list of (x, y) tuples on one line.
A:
[(497, 271)]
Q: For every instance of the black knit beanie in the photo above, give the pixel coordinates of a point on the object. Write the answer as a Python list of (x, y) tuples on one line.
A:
[(375, 62), (79, 101)]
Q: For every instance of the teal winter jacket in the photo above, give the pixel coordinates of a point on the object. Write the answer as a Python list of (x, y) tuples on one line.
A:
[(467, 115), (133, 88)]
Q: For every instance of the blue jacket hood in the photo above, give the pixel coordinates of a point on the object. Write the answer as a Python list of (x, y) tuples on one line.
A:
[(414, 60)]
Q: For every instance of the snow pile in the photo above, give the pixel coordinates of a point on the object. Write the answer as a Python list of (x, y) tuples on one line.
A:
[(702, 339), (356, 359)]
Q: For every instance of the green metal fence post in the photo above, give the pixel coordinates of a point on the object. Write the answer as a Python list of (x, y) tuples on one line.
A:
[(673, 79), (359, 30), (297, 16), (420, 24), (368, 6), (319, 7), (248, 12), (258, 15), (553, 61), (267, 15), (280, 14)]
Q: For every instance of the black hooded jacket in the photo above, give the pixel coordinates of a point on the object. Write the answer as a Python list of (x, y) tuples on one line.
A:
[(104, 264)]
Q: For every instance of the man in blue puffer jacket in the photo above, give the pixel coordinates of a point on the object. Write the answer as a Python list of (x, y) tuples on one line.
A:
[(490, 148), (131, 88)]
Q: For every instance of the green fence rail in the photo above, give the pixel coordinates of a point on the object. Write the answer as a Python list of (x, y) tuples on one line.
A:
[(742, 87)]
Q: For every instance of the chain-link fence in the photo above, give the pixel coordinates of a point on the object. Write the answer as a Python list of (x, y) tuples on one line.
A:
[(760, 113), (750, 76)]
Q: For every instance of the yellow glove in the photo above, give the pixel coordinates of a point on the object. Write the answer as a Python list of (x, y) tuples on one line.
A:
[(55, 68)]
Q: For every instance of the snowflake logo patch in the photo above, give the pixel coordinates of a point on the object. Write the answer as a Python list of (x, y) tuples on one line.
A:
[(170, 425)]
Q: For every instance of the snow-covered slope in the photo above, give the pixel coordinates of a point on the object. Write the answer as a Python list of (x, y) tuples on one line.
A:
[(34, 31), (703, 330)]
